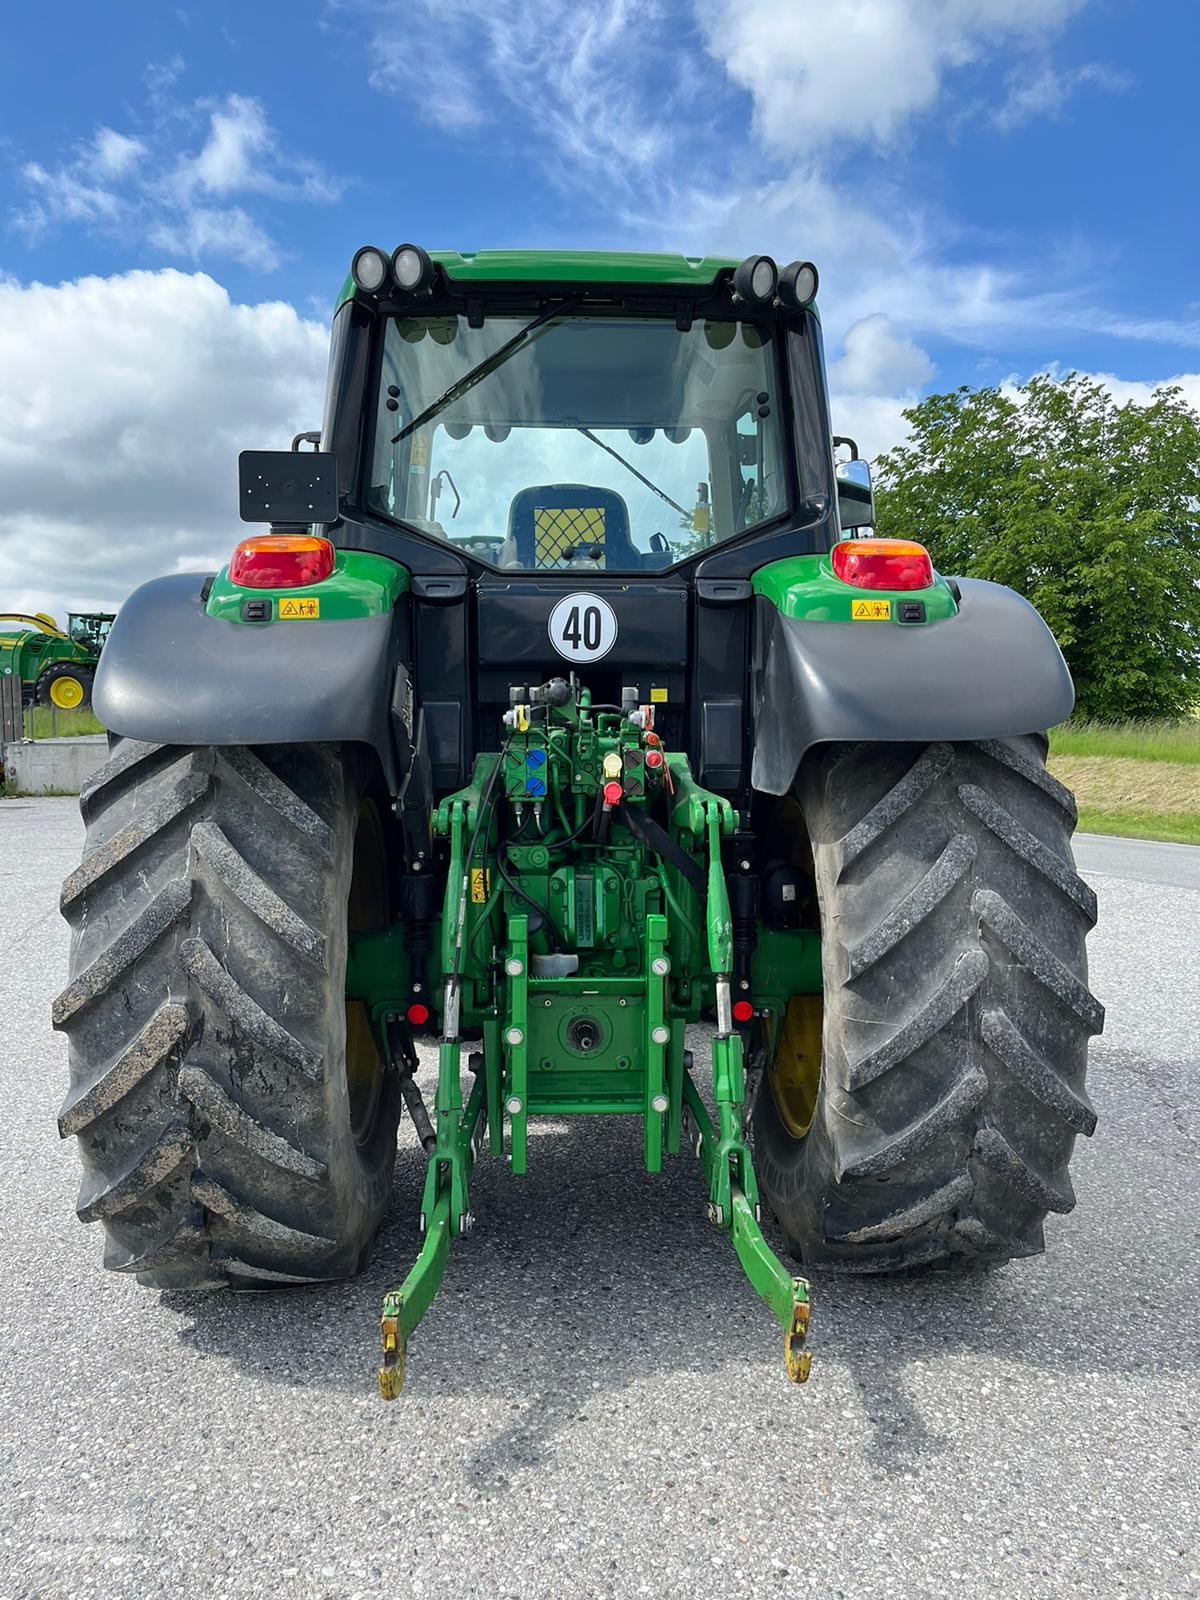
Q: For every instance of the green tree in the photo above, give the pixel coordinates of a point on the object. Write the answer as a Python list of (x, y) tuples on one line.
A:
[(1090, 509)]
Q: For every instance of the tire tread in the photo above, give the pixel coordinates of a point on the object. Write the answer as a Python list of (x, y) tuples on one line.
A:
[(957, 1010), (209, 1104)]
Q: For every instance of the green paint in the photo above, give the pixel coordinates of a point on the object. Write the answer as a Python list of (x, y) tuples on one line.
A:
[(787, 1296), (580, 266), (403, 1308), (572, 266), (805, 587), (612, 1071), (787, 961), (360, 585), (646, 953), (515, 1041), (654, 1044), (377, 971)]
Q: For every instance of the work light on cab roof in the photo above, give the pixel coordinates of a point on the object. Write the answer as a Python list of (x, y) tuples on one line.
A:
[(756, 279), (410, 271), (369, 269), (798, 283)]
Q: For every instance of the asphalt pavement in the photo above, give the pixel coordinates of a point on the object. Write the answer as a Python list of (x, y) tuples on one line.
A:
[(596, 1403)]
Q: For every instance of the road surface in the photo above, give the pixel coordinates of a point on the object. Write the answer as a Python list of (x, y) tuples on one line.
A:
[(596, 1403)]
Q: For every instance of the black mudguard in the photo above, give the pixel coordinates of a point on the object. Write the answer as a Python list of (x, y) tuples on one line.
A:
[(992, 672), (171, 674)]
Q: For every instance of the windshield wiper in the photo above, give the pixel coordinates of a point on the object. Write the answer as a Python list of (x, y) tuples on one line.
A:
[(485, 368), (640, 476)]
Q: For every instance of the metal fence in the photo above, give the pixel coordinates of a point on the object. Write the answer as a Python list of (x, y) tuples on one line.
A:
[(25, 721), (12, 713)]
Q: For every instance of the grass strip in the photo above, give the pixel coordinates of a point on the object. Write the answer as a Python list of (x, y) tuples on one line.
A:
[(1140, 799), (46, 722), (1144, 740), (1168, 827)]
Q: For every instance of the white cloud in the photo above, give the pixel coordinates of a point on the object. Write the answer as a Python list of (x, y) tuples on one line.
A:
[(160, 78), (124, 402), (1137, 391), (601, 86), (116, 153), (180, 201), (877, 423), (82, 190), (853, 70), (876, 359), (239, 138), (1044, 92), (637, 91), (879, 374), (202, 232), (62, 196), (624, 107), (241, 155)]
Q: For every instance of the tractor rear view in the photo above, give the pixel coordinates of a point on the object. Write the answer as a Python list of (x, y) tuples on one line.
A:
[(563, 719)]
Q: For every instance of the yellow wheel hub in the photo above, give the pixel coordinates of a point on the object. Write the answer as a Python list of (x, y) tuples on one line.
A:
[(366, 912), (66, 693), (364, 1070), (795, 1070)]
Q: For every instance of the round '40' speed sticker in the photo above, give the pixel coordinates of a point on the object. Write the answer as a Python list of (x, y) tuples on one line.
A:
[(583, 627)]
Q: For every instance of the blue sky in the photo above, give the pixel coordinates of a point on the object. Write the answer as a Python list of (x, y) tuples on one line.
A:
[(990, 187)]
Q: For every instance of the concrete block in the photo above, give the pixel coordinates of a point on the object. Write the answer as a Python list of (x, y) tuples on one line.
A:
[(53, 766)]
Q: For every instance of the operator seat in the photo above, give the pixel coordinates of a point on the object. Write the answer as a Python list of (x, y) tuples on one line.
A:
[(549, 520)]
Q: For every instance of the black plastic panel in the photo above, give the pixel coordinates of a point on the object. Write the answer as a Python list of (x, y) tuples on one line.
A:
[(720, 682), (722, 733), (443, 728), (992, 672), (445, 675), (514, 621), (171, 674), (287, 486), (425, 558)]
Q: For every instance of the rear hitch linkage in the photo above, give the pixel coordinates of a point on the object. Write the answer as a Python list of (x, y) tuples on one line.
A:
[(498, 1103)]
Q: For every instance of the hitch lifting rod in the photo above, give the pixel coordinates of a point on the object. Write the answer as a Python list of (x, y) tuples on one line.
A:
[(415, 1102)]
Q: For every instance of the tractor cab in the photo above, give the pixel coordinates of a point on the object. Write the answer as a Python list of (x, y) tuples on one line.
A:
[(599, 443), (90, 629), (582, 459)]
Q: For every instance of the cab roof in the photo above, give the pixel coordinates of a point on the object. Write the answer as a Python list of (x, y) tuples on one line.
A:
[(572, 266)]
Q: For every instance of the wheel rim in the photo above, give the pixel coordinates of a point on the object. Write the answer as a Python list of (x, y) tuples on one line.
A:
[(66, 693), (364, 1071), (794, 1073), (366, 910)]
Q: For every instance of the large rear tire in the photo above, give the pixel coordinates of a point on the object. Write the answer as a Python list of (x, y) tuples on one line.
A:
[(224, 1136), (956, 1010)]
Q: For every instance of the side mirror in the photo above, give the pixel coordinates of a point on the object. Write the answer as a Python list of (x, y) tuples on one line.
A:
[(856, 504)]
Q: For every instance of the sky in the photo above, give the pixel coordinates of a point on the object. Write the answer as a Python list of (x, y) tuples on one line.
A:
[(990, 188)]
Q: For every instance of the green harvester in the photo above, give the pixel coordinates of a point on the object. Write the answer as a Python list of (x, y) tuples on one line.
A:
[(56, 668), (569, 721)]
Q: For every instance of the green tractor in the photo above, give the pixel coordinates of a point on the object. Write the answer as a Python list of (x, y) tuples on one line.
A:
[(568, 721), (55, 668)]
